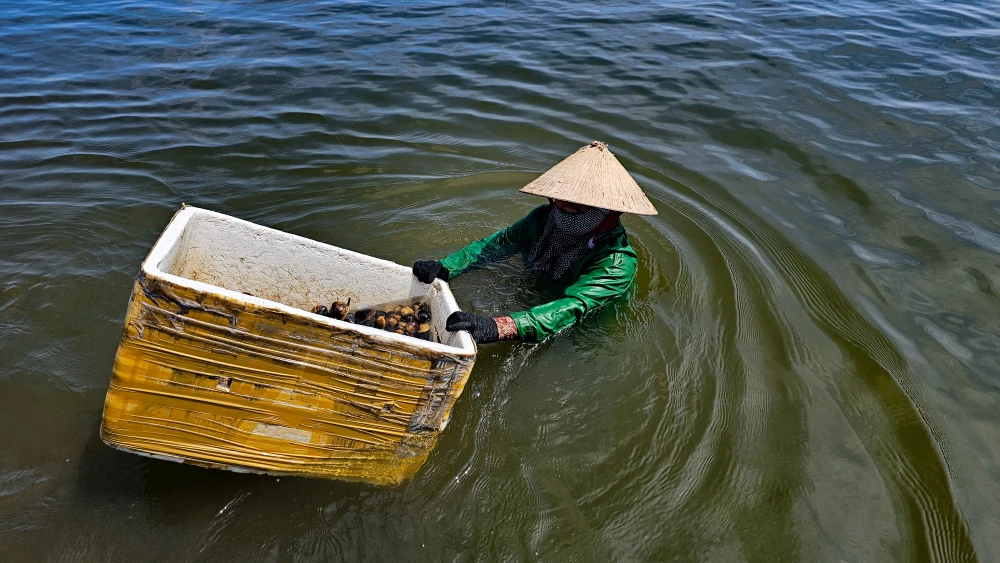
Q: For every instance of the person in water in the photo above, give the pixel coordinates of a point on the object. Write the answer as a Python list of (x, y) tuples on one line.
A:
[(576, 240)]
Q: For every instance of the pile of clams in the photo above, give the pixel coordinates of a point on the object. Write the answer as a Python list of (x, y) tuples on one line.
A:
[(412, 320)]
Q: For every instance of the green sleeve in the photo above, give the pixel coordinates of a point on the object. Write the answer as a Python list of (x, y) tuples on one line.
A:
[(598, 285), (501, 244)]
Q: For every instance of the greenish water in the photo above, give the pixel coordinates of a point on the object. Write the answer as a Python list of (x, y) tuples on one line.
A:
[(808, 368)]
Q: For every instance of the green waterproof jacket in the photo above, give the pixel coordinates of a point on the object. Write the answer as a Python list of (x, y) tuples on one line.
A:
[(596, 279)]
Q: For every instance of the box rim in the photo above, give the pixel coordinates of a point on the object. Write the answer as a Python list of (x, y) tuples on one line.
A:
[(171, 234)]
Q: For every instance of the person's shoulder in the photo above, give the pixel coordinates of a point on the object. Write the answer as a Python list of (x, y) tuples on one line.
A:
[(540, 212), (621, 255), (617, 242), (614, 250), (535, 218), (625, 244)]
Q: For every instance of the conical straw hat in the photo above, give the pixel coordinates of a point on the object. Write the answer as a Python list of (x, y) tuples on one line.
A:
[(592, 176)]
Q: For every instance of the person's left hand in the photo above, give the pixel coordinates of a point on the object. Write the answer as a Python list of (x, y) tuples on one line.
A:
[(483, 329), (427, 270)]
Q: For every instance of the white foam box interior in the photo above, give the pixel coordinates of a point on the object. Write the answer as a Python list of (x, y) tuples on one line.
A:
[(209, 251)]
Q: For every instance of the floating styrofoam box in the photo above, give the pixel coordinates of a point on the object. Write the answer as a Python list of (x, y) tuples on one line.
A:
[(222, 364)]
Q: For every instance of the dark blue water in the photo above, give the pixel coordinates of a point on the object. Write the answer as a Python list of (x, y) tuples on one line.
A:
[(808, 368)]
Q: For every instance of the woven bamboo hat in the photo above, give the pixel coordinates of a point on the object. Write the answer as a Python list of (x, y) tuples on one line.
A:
[(592, 176)]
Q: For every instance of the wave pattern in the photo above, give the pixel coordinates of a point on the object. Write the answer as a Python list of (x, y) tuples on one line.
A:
[(806, 370)]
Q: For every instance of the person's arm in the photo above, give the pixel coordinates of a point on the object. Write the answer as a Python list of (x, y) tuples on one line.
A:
[(598, 285), (501, 244)]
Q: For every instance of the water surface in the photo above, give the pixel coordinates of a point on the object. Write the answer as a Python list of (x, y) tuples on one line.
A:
[(808, 368)]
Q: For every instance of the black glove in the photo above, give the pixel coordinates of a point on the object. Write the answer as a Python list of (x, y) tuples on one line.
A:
[(483, 329), (427, 270)]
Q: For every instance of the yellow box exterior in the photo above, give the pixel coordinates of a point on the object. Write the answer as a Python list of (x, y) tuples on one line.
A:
[(206, 379)]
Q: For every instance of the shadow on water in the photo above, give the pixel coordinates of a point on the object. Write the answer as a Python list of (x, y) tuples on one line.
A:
[(211, 512)]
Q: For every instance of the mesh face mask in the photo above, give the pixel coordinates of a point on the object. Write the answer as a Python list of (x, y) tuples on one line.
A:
[(577, 224), (565, 239)]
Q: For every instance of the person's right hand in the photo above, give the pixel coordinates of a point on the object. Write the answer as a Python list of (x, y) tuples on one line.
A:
[(484, 330), (427, 270)]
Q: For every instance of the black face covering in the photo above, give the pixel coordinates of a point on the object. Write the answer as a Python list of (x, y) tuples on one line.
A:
[(565, 239)]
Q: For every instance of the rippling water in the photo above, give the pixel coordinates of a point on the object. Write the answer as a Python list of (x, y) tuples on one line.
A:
[(808, 368)]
